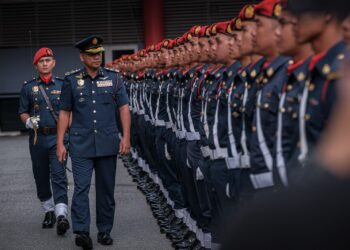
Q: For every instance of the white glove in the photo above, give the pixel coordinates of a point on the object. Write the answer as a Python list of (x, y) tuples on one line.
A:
[(228, 190), (199, 175), (32, 122)]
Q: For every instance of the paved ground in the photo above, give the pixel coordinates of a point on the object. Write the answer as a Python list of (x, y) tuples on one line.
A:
[(21, 214)]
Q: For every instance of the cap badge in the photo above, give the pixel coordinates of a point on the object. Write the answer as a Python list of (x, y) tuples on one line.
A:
[(94, 41), (249, 12), (277, 11)]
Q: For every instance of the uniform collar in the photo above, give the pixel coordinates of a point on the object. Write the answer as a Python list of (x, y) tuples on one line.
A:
[(38, 80), (300, 70), (273, 66), (330, 62), (100, 72), (254, 69), (243, 73), (232, 70)]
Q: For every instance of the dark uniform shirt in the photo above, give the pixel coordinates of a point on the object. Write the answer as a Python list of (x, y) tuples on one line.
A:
[(94, 103), (33, 102)]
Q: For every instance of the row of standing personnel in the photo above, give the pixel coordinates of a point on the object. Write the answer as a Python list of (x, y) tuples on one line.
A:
[(230, 111)]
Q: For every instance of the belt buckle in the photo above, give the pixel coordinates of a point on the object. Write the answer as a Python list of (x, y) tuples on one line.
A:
[(46, 130)]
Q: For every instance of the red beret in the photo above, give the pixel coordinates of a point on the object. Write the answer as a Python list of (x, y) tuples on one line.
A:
[(269, 8), (235, 25), (247, 13), (226, 27), (42, 53), (201, 31)]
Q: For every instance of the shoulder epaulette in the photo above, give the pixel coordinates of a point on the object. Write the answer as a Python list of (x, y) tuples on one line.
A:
[(59, 78), (111, 69), (72, 72), (29, 81)]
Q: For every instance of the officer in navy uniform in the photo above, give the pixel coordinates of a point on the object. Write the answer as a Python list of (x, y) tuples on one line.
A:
[(269, 87), (93, 95), (38, 116)]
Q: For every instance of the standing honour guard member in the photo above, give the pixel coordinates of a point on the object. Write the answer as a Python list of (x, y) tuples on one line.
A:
[(39, 105), (93, 95)]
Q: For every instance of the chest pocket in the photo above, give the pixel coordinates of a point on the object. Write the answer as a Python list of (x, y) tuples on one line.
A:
[(106, 95)]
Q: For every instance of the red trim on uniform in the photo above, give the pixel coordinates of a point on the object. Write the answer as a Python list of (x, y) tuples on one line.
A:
[(315, 59), (325, 90), (294, 66)]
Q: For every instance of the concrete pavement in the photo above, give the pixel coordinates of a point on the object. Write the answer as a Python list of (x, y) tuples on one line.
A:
[(21, 214)]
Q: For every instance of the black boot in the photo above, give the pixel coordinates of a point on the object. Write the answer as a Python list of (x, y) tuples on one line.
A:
[(49, 220), (104, 239), (62, 225), (82, 239)]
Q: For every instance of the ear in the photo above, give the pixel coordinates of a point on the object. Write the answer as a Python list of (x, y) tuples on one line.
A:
[(54, 63), (328, 17), (81, 57)]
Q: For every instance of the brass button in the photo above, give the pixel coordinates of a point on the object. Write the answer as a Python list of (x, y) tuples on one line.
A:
[(307, 117), (266, 105), (282, 110), (311, 87), (253, 129)]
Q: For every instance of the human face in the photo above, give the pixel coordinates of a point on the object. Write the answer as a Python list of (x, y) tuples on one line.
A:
[(309, 26), (246, 47), (92, 61), (204, 49), (223, 48), (45, 65), (346, 30), (287, 44), (195, 49), (266, 35)]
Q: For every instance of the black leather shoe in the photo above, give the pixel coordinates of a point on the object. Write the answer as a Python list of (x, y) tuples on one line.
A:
[(62, 225), (82, 239), (104, 239), (49, 220)]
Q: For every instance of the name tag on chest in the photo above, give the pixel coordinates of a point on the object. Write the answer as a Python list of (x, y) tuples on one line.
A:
[(107, 83)]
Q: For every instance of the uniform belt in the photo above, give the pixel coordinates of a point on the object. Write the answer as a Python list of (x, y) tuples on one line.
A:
[(206, 152), (168, 125), (192, 136), (160, 123), (47, 131)]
